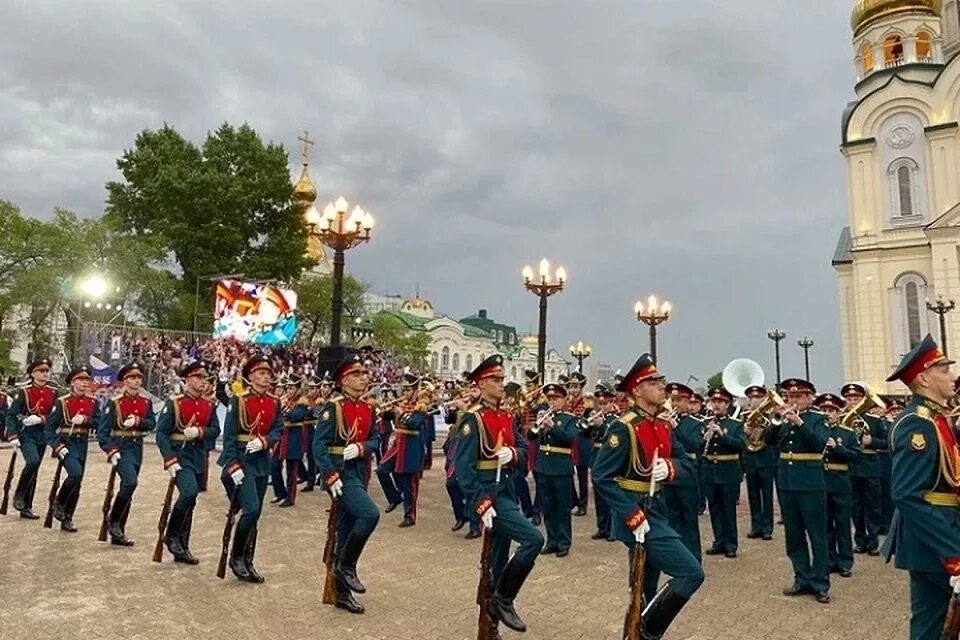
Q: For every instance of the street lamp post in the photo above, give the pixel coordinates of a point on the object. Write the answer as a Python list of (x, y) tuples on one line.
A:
[(776, 335), (581, 352), (652, 315), (339, 232), (544, 286), (942, 308), (805, 343)]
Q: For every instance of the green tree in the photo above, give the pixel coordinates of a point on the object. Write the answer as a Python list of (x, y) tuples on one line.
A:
[(314, 295), (223, 207), (408, 348), (715, 380)]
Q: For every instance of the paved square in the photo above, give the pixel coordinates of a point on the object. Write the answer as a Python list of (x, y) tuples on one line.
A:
[(421, 580)]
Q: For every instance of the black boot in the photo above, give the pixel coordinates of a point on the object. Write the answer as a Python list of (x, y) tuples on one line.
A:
[(501, 604), (172, 537), (660, 613), (238, 562), (121, 507), (346, 567), (248, 557), (188, 558), (69, 507), (345, 599)]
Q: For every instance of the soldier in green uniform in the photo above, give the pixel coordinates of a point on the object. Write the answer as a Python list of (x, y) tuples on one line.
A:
[(925, 530), (640, 452), (599, 419), (802, 437), (722, 444), (842, 451), (24, 422), (697, 404), (489, 451), (866, 476), (759, 465), (555, 432), (682, 496)]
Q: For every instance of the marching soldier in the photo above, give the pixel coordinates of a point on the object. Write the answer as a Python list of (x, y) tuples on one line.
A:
[(925, 531), (555, 432), (583, 443), (68, 426), (600, 419), (25, 430), (841, 451), (682, 495), (639, 453), (489, 451), (400, 469), (186, 426), (126, 419), (319, 390), (723, 442), (759, 466), (458, 500), (252, 426), (866, 476), (802, 438), (533, 404), (345, 441), (289, 456), (697, 404)]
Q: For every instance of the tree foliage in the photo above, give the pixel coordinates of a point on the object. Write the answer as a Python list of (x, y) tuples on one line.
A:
[(409, 348), (314, 294), (714, 381)]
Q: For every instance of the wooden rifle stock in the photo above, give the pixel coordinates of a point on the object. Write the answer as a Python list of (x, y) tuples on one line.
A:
[(162, 522), (951, 625), (52, 498), (228, 532), (633, 623), (485, 588), (107, 501), (8, 481), (329, 581)]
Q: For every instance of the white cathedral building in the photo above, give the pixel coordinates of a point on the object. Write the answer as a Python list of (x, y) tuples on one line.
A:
[(901, 145)]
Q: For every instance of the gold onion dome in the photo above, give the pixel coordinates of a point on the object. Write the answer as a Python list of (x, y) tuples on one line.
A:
[(865, 12), (304, 191)]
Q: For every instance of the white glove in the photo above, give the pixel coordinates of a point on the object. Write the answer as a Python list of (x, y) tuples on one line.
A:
[(31, 420), (955, 583), (114, 458), (16, 444), (191, 433), (237, 477), (351, 451), (661, 470), (174, 468), (63, 453), (78, 419), (336, 489), (640, 533), (505, 455), (487, 517), (130, 421), (255, 445)]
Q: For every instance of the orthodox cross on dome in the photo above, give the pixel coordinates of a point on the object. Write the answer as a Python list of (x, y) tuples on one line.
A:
[(307, 143)]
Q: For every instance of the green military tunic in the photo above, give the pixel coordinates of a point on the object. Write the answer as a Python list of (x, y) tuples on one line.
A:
[(837, 463), (867, 494), (721, 475), (759, 461), (555, 466), (682, 495)]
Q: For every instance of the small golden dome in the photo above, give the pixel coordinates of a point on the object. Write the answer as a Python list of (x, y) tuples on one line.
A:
[(865, 12), (304, 191)]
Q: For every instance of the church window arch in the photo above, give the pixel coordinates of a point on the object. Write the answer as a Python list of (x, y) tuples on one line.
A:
[(892, 51), (924, 47), (513, 373), (469, 362), (445, 359), (908, 311), (903, 179), (456, 362), (866, 57), (434, 361)]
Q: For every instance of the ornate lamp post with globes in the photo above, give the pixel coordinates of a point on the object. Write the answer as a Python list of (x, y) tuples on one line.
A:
[(942, 308), (581, 352), (652, 314), (544, 286), (340, 233)]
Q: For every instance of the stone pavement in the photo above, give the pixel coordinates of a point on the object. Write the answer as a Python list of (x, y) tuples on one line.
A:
[(421, 580)]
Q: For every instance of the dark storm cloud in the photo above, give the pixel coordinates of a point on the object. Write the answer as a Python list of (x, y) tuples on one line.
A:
[(683, 149)]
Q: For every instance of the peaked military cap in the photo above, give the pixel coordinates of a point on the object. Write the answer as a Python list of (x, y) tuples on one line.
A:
[(720, 393), (604, 390), (531, 375), (563, 379), (643, 369), (489, 367), (679, 389), (83, 371), (134, 368), (578, 378), (554, 388), (254, 363), (410, 379), (797, 385), (39, 362), (853, 387), (755, 391), (923, 356), (828, 400), (293, 381), (512, 388), (348, 365)]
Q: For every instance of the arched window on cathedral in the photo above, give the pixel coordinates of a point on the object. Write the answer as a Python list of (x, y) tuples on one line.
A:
[(469, 362), (924, 47), (908, 311), (892, 51), (445, 359), (903, 178), (513, 373), (866, 57), (456, 362), (434, 361)]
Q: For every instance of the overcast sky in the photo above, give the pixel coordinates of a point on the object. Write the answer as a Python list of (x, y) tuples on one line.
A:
[(686, 149)]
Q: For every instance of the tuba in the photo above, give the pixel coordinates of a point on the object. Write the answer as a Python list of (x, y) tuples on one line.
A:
[(852, 418), (737, 377)]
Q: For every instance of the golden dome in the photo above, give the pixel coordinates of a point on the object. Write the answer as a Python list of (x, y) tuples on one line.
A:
[(304, 191), (865, 12)]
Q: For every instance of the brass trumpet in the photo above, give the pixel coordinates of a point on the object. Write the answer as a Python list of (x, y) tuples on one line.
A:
[(853, 419), (765, 414)]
